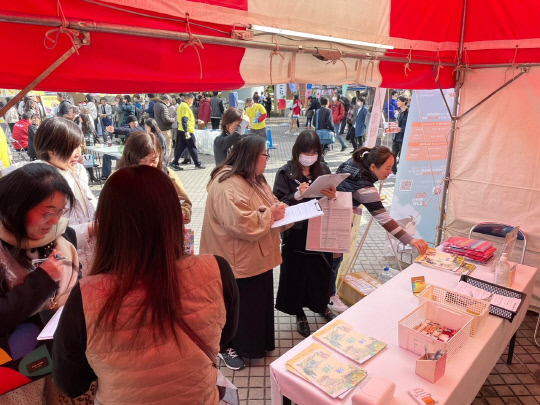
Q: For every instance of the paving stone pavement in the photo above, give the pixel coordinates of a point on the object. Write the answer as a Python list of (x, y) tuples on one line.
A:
[(518, 383)]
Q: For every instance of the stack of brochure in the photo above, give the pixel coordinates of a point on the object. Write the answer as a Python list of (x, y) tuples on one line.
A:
[(335, 375), (448, 262), (473, 249)]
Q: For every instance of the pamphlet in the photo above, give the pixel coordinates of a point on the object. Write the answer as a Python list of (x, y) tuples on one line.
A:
[(445, 261), (319, 366), (50, 328), (342, 337)]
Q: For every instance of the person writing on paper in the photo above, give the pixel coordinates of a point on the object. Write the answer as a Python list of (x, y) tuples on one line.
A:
[(33, 230), (133, 322), (305, 276), (58, 142), (240, 210), (233, 126), (366, 167)]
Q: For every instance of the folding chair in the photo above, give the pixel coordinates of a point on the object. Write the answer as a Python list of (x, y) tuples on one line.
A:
[(498, 230)]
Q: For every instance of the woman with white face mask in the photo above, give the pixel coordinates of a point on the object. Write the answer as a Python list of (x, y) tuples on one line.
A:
[(305, 277)]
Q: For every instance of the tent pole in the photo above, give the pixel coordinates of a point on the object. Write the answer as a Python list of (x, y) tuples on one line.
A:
[(92, 26), (45, 73), (459, 83)]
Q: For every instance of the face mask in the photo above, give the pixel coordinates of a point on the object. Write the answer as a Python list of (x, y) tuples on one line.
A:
[(307, 160), (334, 98), (359, 104)]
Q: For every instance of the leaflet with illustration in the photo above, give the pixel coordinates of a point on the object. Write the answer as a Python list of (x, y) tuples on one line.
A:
[(445, 261), (319, 366), (342, 337)]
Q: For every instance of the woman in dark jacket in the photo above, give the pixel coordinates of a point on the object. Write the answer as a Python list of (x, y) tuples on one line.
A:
[(366, 167), (231, 131), (305, 276)]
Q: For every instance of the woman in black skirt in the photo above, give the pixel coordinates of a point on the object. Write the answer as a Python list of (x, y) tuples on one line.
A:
[(305, 275)]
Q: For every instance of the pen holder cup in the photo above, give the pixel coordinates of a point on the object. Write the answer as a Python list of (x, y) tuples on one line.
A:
[(431, 370)]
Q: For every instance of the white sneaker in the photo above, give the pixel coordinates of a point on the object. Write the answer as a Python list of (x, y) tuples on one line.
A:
[(297, 133), (287, 133), (336, 305)]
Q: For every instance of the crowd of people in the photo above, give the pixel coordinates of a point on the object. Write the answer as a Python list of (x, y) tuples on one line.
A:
[(119, 266)]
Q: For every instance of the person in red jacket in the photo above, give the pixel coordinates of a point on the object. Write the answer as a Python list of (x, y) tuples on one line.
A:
[(338, 112), (296, 108), (20, 131), (204, 111)]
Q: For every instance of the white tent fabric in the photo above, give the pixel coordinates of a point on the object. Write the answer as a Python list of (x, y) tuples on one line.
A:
[(495, 172)]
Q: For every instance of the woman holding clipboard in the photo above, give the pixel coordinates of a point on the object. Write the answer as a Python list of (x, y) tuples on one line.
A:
[(305, 275)]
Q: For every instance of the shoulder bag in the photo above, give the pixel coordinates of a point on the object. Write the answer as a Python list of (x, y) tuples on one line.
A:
[(326, 136)]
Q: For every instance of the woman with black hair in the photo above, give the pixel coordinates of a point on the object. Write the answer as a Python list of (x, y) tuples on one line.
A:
[(240, 210), (305, 276), (33, 200), (366, 167), (58, 142)]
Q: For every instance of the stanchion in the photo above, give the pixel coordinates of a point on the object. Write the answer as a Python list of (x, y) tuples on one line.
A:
[(269, 139)]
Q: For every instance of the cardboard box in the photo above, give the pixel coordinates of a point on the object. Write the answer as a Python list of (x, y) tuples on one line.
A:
[(355, 286)]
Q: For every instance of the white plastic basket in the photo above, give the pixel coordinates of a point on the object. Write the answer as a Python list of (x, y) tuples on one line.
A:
[(478, 309), (417, 342)]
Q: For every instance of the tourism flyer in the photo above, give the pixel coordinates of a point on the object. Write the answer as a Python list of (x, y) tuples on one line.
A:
[(318, 365), (445, 261), (342, 337)]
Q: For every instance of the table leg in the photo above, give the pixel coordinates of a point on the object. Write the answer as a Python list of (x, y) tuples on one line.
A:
[(286, 401), (511, 349)]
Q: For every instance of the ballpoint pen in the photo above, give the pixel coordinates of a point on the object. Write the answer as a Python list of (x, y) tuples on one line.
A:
[(38, 261)]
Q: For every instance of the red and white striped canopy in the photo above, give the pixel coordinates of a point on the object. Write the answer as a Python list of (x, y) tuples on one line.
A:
[(125, 54)]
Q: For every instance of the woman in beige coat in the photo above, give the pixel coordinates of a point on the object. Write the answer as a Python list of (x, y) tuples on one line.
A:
[(240, 210)]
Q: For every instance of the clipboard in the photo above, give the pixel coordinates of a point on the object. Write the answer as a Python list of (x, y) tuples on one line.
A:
[(322, 182)]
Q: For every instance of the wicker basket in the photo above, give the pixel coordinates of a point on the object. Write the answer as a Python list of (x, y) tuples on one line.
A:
[(417, 342), (479, 309)]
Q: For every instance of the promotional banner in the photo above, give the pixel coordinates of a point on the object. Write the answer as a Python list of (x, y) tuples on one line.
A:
[(375, 121), (281, 93), (294, 87), (422, 164)]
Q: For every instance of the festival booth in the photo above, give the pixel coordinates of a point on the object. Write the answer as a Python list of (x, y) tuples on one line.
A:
[(163, 46), (490, 55)]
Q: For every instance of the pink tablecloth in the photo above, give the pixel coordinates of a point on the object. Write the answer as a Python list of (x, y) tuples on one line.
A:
[(378, 314)]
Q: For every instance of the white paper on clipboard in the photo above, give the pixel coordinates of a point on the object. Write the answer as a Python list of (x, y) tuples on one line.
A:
[(332, 232), (299, 212), (322, 182)]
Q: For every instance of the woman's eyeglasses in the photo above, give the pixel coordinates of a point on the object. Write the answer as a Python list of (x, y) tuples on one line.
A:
[(266, 156), (49, 215)]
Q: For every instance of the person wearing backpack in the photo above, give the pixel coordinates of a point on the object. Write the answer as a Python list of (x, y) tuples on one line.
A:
[(338, 113)]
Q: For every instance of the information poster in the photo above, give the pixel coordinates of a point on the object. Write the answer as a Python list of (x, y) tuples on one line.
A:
[(422, 166)]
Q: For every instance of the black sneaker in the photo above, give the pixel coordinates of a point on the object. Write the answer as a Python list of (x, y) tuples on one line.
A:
[(186, 162), (200, 167), (231, 359), (176, 167)]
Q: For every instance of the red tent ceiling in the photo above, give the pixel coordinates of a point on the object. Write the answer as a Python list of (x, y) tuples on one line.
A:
[(424, 30)]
